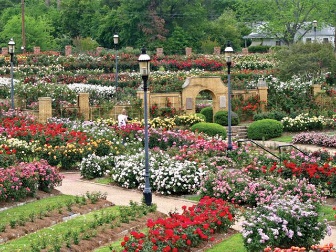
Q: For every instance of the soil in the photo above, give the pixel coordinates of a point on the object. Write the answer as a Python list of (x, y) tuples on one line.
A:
[(105, 235)]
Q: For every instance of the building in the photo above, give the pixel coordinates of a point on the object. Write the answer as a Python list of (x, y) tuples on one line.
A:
[(325, 34)]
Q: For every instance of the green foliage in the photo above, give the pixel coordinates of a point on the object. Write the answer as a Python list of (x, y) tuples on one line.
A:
[(201, 116), (85, 44), (211, 129), (221, 117), (208, 113), (307, 60), (258, 49), (264, 129), (276, 115), (226, 28), (39, 30)]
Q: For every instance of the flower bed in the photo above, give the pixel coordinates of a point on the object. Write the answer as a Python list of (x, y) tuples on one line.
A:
[(183, 231)]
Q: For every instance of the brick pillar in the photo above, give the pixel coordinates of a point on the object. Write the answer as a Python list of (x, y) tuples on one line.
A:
[(263, 97), (37, 50), (99, 50), (316, 88), (68, 49), (84, 106), (45, 109), (217, 50), (188, 51), (159, 52), (245, 50), (4, 51)]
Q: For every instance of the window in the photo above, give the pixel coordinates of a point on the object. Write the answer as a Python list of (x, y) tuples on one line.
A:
[(308, 40), (325, 40), (278, 43)]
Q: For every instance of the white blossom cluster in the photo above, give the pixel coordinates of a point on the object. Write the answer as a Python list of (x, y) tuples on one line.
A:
[(94, 166), (102, 92), (167, 175)]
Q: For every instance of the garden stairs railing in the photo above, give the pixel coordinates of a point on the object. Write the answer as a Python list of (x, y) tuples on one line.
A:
[(279, 156)]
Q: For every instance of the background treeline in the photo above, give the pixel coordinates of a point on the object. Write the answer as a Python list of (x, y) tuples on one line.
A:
[(171, 24)]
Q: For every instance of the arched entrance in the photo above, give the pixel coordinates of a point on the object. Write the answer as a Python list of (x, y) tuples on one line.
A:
[(194, 85)]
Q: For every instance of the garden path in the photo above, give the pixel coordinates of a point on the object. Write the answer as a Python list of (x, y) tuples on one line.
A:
[(73, 185)]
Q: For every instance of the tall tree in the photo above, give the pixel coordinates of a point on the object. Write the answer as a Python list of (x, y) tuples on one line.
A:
[(38, 32), (283, 17)]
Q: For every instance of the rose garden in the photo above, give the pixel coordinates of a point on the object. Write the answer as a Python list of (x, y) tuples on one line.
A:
[(283, 198)]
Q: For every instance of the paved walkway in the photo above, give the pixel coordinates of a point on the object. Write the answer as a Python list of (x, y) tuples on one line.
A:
[(73, 185)]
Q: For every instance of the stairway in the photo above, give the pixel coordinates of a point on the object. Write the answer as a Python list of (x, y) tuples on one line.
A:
[(238, 132)]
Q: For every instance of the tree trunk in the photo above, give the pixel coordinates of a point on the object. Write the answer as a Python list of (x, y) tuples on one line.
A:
[(58, 4), (47, 2)]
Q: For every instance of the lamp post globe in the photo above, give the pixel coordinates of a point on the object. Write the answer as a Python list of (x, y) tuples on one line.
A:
[(228, 57), (11, 50), (144, 66)]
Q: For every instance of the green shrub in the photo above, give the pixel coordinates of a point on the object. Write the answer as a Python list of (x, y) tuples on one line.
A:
[(211, 129), (201, 116), (208, 113), (221, 117), (258, 49), (264, 129), (276, 115)]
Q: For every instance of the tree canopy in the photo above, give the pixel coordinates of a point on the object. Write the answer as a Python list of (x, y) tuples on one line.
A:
[(171, 24)]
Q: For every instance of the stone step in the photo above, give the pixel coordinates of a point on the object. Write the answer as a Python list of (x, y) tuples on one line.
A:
[(239, 132)]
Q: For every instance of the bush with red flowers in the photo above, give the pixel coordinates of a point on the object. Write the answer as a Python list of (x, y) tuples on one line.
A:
[(183, 231)]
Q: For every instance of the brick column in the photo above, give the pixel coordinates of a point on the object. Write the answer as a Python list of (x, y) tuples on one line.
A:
[(316, 88), (217, 50), (68, 49), (37, 50), (84, 106), (245, 50), (159, 52), (4, 51), (263, 97), (188, 51), (45, 109)]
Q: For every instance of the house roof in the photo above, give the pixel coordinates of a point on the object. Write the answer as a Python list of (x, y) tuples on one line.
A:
[(255, 35)]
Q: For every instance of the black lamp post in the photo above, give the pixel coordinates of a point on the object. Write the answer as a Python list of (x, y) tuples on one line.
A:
[(116, 42), (228, 55), (11, 49), (144, 66), (315, 26)]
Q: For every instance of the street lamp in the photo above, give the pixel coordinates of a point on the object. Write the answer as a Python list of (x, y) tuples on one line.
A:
[(144, 66), (11, 49), (228, 54), (315, 26), (116, 41)]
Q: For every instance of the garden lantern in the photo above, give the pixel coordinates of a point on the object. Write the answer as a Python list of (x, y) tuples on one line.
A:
[(144, 66), (116, 42), (11, 49), (228, 55)]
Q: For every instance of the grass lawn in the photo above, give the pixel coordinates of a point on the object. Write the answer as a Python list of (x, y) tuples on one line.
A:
[(233, 244)]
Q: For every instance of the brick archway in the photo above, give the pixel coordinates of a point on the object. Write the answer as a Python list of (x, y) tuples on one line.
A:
[(194, 85)]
